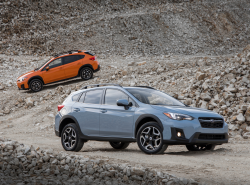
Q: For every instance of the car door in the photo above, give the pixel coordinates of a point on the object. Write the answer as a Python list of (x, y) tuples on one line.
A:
[(87, 112), (116, 121), (72, 65), (55, 72)]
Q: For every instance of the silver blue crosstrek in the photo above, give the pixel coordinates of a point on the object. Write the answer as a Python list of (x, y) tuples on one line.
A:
[(121, 115)]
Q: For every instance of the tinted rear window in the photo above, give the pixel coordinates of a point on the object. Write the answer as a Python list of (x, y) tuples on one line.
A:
[(72, 58), (93, 97)]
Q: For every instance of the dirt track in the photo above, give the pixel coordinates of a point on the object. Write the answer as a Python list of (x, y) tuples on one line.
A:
[(228, 164)]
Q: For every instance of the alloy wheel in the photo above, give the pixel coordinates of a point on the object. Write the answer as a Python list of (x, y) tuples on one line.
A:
[(36, 86), (86, 73), (150, 138), (69, 137)]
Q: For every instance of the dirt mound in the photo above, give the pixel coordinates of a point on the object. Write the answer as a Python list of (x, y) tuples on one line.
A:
[(124, 27)]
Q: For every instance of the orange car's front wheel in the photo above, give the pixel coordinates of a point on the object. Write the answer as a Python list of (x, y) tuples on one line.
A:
[(36, 85)]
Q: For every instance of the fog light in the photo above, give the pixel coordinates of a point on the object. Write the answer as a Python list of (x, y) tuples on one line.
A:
[(179, 134)]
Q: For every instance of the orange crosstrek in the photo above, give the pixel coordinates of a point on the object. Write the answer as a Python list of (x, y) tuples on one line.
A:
[(61, 67)]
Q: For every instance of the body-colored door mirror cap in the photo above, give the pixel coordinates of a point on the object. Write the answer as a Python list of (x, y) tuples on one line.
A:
[(47, 68)]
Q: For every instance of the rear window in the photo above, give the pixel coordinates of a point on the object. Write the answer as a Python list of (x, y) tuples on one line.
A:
[(93, 97), (75, 97), (72, 58), (87, 52)]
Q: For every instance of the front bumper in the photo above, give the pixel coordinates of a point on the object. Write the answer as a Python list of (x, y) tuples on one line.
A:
[(196, 138), (22, 86)]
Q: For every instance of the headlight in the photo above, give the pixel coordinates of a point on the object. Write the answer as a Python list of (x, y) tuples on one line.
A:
[(178, 116), (22, 79)]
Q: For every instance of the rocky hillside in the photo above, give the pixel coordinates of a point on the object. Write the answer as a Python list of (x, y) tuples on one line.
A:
[(122, 27)]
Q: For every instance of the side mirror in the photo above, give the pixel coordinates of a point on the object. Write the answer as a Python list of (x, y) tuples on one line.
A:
[(124, 103), (47, 68)]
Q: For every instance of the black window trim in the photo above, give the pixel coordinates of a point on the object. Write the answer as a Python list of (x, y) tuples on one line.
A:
[(77, 98), (103, 98)]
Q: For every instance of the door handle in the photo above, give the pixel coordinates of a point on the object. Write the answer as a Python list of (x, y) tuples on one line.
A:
[(103, 110), (76, 109)]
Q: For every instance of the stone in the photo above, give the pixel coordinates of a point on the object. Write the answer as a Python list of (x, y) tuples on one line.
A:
[(205, 97), (200, 76), (231, 89), (204, 104), (241, 118), (29, 101), (247, 113)]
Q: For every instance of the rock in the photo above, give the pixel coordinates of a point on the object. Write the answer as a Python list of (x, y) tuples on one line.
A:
[(231, 89), (131, 63), (205, 97), (204, 104), (205, 86), (200, 76), (29, 101), (247, 114), (2, 87), (241, 118), (246, 135), (6, 110)]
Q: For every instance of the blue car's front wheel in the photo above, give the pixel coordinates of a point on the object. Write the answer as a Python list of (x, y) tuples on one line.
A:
[(150, 139)]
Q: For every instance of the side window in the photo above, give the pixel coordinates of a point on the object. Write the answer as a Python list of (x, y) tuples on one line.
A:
[(55, 63), (113, 95), (72, 58), (82, 98), (75, 97), (93, 97)]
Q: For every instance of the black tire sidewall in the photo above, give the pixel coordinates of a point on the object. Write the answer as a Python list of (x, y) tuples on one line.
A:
[(77, 137), (122, 145), (34, 81), (138, 138), (84, 69)]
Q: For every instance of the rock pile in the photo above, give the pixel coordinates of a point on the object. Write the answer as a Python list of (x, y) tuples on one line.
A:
[(20, 164)]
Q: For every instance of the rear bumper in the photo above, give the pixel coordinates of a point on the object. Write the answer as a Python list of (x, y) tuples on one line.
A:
[(196, 138), (98, 69)]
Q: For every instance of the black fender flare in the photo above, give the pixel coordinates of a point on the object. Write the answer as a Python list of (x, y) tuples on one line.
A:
[(86, 65), (141, 117), (35, 77), (74, 119)]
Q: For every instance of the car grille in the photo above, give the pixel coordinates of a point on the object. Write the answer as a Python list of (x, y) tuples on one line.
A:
[(212, 136), (211, 122)]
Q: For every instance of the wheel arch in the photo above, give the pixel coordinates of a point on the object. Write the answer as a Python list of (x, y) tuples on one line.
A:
[(35, 77), (144, 119), (66, 120), (85, 65)]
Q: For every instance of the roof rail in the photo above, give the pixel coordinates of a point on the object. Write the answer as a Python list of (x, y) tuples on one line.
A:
[(145, 87), (67, 52), (98, 85)]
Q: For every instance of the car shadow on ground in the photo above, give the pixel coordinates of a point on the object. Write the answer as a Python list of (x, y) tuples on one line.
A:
[(110, 150), (62, 83)]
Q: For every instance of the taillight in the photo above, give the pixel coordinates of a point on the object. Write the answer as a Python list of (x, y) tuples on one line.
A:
[(92, 58), (59, 107)]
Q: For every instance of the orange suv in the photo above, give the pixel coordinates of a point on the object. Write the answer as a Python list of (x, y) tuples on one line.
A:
[(61, 67)]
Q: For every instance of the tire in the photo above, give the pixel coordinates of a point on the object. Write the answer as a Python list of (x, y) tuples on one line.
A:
[(36, 85), (200, 147), (119, 145), (150, 139), (86, 73), (71, 133)]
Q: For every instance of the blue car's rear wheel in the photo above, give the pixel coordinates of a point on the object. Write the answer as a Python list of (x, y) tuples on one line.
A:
[(200, 147), (150, 139), (70, 138)]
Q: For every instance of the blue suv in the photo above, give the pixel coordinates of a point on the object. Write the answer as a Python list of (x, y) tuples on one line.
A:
[(121, 115)]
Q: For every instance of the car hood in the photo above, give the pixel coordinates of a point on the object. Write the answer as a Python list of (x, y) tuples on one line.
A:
[(23, 75), (192, 111)]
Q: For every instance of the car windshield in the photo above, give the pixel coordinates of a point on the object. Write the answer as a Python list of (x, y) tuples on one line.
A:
[(153, 97), (42, 65)]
